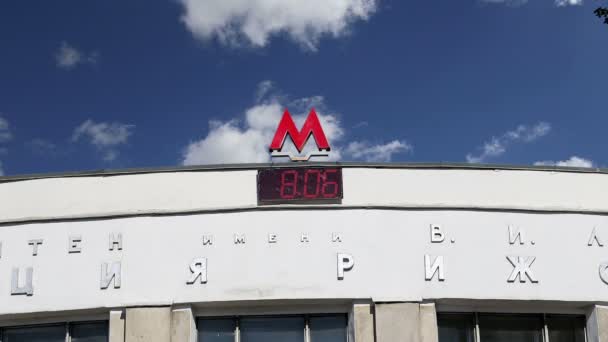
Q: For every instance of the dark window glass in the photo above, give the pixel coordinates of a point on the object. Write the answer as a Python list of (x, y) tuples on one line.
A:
[(566, 328), (216, 330), (89, 332), (456, 327), (50, 333), (328, 329), (272, 329), (508, 328)]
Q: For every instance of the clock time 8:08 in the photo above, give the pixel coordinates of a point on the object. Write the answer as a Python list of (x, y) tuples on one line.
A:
[(315, 183)]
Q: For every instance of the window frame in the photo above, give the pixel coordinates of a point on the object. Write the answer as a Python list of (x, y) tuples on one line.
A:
[(546, 326), (306, 317), (543, 316), (66, 324)]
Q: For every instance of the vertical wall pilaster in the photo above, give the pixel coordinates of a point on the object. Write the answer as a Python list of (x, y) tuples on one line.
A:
[(597, 324), (428, 323), (397, 322), (361, 323), (148, 324), (183, 325), (117, 326)]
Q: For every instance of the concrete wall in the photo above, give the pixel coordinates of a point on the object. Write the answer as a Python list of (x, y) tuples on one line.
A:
[(397, 322), (181, 192), (183, 324), (379, 221), (368, 322), (361, 323), (382, 322), (405, 322), (117, 326), (148, 324), (597, 324), (388, 248), (428, 323), (152, 324)]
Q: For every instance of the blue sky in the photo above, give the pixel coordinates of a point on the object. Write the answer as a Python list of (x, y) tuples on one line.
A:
[(120, 84)]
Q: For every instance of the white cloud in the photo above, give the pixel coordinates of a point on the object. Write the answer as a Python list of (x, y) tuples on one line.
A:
[(253, 22), (68, 57), (517, 3), (103, 134), (377, 153), (5, 135), (361, 124), (562, 3), (106, 136), (109, 155), (264, 88), (574, 161), (41, 146), (247, 140), (5, 132), (509, 3), (497, 146)]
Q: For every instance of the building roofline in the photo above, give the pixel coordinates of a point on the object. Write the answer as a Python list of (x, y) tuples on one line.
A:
[(255, 166)]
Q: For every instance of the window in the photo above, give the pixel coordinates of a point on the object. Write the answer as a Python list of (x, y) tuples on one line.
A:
[(456, 327), (77, 332), (89, 332), (217, 330), (510, 328), (272, 329), (54, 333), (313, 328), (328, 329), (566, 329)]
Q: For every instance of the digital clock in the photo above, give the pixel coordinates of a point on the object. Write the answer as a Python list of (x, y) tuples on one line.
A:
[(299, 185)]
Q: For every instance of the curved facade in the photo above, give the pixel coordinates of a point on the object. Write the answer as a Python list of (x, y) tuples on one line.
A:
[(410, 253)]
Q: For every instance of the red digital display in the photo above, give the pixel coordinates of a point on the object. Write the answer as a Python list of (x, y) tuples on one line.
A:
[(306, 184)]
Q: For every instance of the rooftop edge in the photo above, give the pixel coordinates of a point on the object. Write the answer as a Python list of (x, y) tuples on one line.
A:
[(254, 166)]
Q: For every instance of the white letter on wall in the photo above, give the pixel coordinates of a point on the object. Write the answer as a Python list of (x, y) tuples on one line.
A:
[(345, 263), (336, 237), (436, 234), (603, 273), (517, 235), (521, 269), (28, 288), (239, 239), (74, 244), (207, 240), (595, 238), (272, 238), (116, 240), (435, 267), (35, 244), (107, 275), (198, 268)]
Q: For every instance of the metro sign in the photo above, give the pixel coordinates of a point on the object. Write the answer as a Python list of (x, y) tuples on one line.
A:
[(312, 126)]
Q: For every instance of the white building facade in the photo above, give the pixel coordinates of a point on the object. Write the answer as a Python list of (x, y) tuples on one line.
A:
[(429, 253)]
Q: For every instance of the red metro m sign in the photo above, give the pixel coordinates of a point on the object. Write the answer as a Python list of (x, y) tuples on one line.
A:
[(311, 126)]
